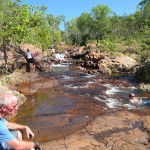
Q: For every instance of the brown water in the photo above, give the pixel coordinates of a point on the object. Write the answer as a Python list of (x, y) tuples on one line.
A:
[(67, 108)]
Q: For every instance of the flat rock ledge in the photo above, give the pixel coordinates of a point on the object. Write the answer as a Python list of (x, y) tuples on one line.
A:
[(118, 131), (30, 83)]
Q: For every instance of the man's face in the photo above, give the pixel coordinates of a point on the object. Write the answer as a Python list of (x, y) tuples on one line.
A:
[(132, 96), (10, 110)]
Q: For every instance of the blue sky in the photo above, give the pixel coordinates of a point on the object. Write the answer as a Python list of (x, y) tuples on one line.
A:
[(74, 8)]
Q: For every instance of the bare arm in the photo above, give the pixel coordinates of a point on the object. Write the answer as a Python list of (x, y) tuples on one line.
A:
[(20, 145), (136, 101), (14, 126), (143, 97)]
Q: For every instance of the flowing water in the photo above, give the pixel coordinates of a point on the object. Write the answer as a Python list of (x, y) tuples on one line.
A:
[(79, 97)]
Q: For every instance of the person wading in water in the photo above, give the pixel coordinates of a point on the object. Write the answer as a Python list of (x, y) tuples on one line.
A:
[(138, 101), (30, 59)]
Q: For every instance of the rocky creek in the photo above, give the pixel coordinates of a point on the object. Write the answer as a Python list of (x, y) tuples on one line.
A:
[(85, 111)]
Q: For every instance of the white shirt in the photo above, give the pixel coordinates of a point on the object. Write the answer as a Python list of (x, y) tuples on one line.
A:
[(29, 55)]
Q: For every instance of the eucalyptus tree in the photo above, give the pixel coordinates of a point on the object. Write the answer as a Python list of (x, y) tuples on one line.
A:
[(143, 3), (73, 31), (39, 36), (115, 26), (84, 24), (128, 25), (100, 15), (16, 20), (145, 10), (145, 28), (54, 24)]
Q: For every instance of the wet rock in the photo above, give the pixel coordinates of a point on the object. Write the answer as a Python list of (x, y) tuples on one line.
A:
[(35, 87), (21, 98), (81, 68), (147, 123), (107, 64), (29, 83), (144, 87), (114, 131)]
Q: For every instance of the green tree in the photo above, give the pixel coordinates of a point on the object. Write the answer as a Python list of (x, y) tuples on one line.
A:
[(84, 25), (100, 16), (16, 20), (72, 31), (39, 36), (143, 3), (54, 23)]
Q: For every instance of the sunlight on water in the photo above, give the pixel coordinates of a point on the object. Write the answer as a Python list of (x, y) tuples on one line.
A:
[(116, 90), (90, 82), (67, 77), (113, 90), (111, 103), (60, 65), (90, 76), (75, 87), (109, 86), (130, 106)]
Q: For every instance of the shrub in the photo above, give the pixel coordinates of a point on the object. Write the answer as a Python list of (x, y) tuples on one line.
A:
[(143, 73), (107, 45)]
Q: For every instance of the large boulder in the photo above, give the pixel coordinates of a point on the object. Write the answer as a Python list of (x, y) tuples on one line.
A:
[(94, 56), (106, 63), (123, 63)]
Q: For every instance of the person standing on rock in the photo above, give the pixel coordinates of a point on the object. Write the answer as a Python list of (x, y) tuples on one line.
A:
[(138, 101), (30, 60), (10, 135)]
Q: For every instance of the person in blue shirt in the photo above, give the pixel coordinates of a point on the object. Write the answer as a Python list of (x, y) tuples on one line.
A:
[(8, 141)]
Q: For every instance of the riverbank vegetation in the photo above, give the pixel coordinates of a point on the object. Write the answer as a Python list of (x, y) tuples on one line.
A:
[(112, 32), (21, 23)]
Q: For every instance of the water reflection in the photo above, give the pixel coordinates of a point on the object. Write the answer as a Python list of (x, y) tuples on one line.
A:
[(63, 110)]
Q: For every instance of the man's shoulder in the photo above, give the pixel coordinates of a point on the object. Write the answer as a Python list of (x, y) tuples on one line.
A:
[(5, 134), (3, 126), (2, 120)]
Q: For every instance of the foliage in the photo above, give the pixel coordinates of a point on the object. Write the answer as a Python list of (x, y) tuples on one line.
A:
[(145, 51), (29, 24), (73, 32), (107, 45), (54, 23), (84, 25), (23, 23), (100, 23), (15, 22), (143, 73), (39, 36), (107, 28)]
